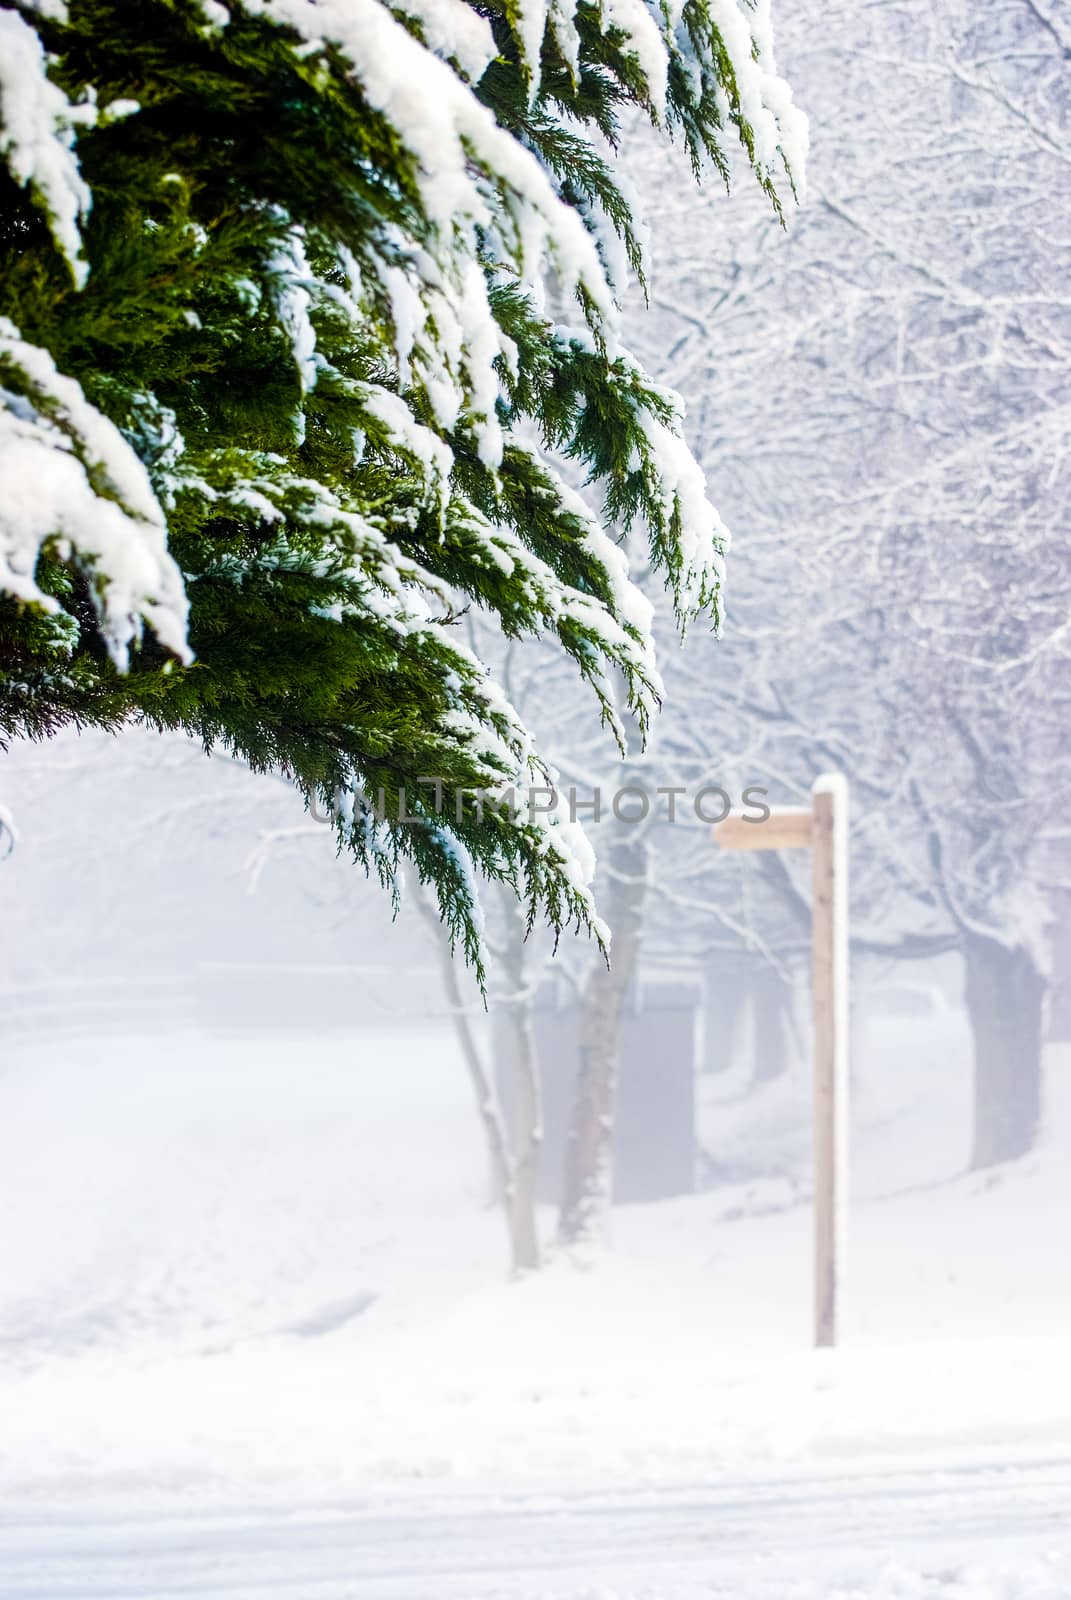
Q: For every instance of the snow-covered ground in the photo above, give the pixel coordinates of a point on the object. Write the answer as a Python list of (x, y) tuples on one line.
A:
[(256, 1340), (971, 1534)]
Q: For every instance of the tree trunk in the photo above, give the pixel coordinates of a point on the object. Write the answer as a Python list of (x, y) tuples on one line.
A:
[(527, 1130), (527, 1143), (503, 1184), (1005, 992), (588, 1156)]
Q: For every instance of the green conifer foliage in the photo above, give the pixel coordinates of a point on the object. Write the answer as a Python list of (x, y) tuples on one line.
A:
[(303, 306)]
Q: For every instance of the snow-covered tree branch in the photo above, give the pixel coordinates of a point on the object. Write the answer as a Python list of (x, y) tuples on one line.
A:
[(304, 307)]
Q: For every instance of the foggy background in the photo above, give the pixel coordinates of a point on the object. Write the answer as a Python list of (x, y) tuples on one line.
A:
[(237, 1109)]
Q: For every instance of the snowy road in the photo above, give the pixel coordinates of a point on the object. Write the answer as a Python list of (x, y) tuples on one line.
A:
[(961, 1533)]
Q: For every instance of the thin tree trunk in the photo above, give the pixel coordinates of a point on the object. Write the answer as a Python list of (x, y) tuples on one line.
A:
[(527, 1143), (588, 1157), (527, 1104), (1005, 993), (502, 1178)]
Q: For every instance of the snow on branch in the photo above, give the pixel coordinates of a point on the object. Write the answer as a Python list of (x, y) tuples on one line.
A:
[(464, 160), (342, 383), (70, 476), (37, 124)]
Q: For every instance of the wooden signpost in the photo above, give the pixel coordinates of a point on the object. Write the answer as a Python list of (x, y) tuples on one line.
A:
[(823, 828)]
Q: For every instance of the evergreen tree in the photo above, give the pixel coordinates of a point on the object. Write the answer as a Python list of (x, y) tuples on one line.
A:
[(304, 304)]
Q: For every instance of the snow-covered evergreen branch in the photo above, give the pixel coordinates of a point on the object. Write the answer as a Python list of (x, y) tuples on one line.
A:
[(321, 290)]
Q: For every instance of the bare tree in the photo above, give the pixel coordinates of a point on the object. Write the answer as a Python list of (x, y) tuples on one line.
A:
[(900, 587), (513, 1141), (898, 596), (588, 1175)]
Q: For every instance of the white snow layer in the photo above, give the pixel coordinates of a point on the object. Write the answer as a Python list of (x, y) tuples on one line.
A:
[(37, 124), (456, 32), (55, 450), (257, 1294), (55, 10)]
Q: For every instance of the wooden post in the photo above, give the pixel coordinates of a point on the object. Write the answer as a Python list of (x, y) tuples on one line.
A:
[(824, 828), (830, 969)]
